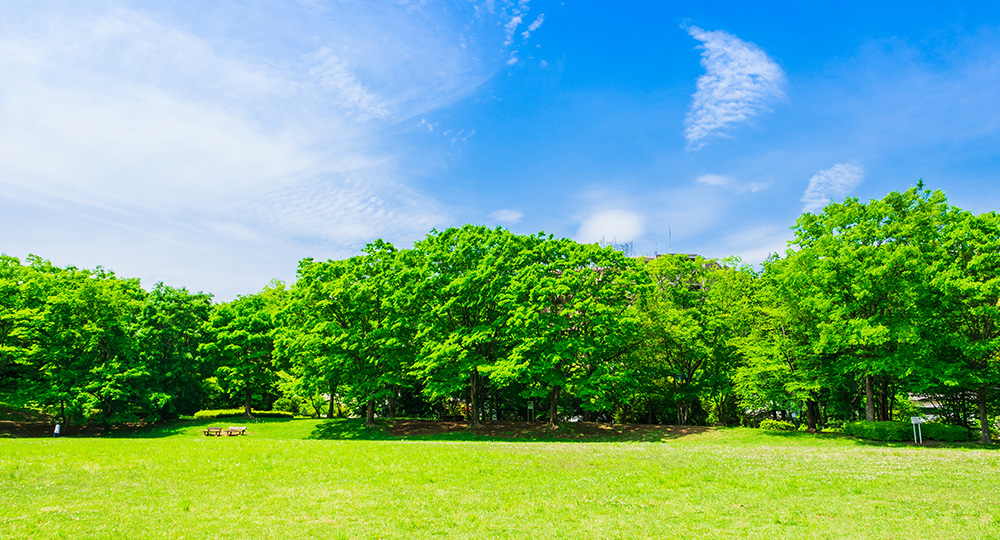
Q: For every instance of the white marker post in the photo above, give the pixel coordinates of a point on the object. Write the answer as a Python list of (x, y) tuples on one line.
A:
[(917, 428), (531, 411)]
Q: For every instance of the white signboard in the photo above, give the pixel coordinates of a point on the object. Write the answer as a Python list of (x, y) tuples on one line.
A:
[(918, 430)]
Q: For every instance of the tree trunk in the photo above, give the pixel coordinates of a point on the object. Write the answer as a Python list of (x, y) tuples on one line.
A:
[(553, 407), (331, 410), (370, 414), (474, 399), (883, 409), (869, 399), (984, 422), (682, 413), (811, 415), (393, 400), (586, 415), (246, 403)]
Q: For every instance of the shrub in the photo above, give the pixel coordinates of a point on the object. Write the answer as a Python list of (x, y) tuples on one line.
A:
[(288, 404), (903, 431), (777, 425), (834, 424), (233, 413), (879, 431), (945, 432)]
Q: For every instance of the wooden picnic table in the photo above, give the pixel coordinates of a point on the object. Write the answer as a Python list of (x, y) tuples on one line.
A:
[(213, 431), (236, 430)]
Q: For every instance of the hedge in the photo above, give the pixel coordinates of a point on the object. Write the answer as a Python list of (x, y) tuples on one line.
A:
[(232, 413), (903, 431), (777, 425)]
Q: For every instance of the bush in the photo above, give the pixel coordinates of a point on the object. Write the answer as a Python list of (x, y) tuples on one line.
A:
[(234, 413), (879, 431), (903, 431), (834, 424), (288, 404), (945, 432), (777, 425)]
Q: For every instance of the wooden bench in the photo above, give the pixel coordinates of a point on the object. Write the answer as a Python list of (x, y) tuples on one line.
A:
[(213, 431), (235, 430)]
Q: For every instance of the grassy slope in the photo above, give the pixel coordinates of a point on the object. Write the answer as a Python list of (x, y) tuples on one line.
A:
[(297, 480)]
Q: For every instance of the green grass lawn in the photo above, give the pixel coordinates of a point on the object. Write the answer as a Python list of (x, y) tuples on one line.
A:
[(334, 479)]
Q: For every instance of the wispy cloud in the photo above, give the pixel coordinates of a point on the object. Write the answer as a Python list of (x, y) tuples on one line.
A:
[(740, 82), (515, 14), (533, 26), (333, 76), (505, 216), (831, 184), (153, 132), (732, 184)]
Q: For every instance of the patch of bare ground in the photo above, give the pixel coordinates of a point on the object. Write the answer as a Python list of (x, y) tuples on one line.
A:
[(29, 423), (540, 430)]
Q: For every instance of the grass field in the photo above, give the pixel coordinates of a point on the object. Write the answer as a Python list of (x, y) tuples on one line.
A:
[(334, 479)]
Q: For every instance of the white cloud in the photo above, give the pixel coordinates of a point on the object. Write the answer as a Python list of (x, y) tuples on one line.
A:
[(740, 82), (533, 26), (218, 156), (506, 216), (731, 183), (831, 184), (511, 27), (333, 76), (611, 226), (715, 180)]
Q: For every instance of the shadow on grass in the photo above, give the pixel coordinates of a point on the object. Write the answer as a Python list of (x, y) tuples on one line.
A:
[(876, 444), (350, 429), (435, 430), (174, 428)]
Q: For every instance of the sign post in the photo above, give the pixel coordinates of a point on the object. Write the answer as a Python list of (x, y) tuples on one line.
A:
[(917, 429), (531, 411)]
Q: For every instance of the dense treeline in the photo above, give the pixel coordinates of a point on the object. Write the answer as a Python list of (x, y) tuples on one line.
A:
[(873, 304)]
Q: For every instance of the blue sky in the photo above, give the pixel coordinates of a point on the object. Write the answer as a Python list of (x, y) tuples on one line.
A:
[(213, 145)]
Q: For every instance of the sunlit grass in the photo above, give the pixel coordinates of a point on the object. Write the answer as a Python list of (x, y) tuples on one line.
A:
[(280, 481)]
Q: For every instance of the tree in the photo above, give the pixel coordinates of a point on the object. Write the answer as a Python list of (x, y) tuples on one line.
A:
[(969, 280), (686, 337), (573, 322), (781, 369), (170, 331), (241, 342), (347, 327), (461, 283), (73, 334), (865, 279)]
